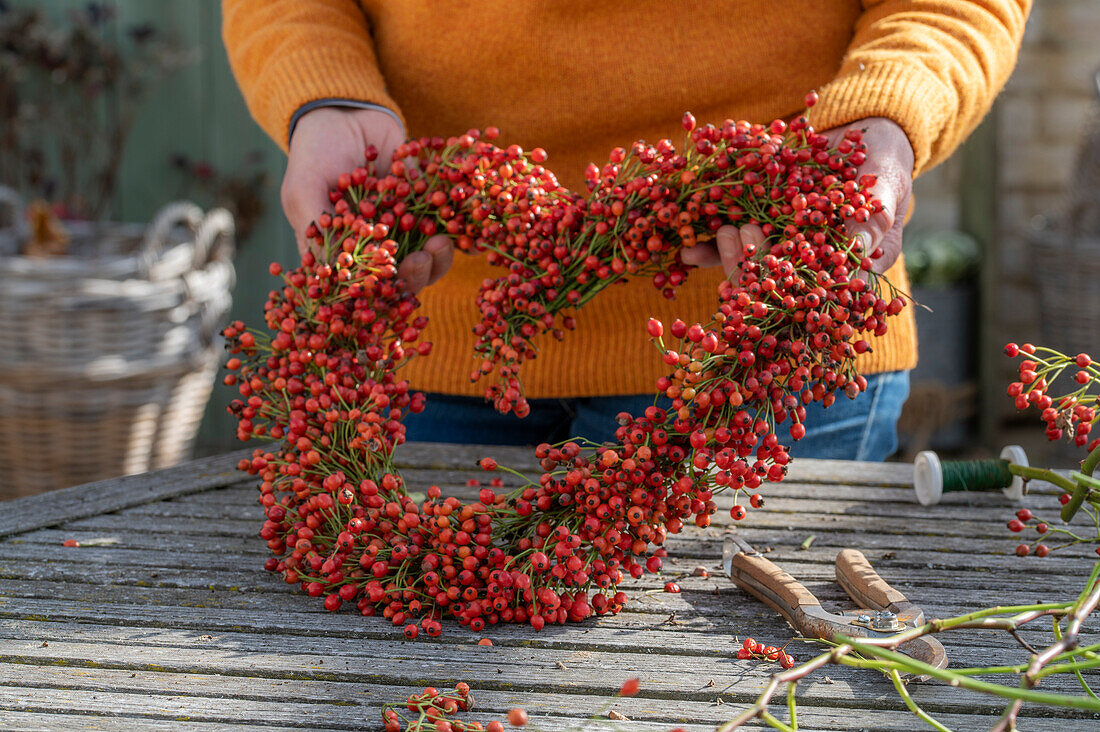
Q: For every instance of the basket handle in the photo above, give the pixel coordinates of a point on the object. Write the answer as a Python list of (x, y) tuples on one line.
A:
[(172, 215), (214, 238)]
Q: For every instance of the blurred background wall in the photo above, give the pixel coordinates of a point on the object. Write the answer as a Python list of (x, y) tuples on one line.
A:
[(193, 138), (193, 134), (1017, 167)]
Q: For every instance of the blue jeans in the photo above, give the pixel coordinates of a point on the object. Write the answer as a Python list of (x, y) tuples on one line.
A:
[(864, 428)]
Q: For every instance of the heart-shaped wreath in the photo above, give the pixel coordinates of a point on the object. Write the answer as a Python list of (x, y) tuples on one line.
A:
[(323, 380)]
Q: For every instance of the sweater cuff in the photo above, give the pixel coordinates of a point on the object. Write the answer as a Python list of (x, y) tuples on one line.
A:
[(349, 103), (316, 74), (912, 97)]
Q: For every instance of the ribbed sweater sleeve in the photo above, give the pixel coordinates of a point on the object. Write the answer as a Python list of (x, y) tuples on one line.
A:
[(288, 53), (933, 67)]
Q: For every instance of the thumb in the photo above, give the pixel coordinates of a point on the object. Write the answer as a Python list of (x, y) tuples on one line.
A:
[(874, 230)]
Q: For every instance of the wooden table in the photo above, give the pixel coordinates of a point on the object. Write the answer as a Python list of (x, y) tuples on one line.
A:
[(165, 615)]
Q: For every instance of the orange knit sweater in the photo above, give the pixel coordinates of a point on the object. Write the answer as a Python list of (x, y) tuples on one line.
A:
[(581, 78)]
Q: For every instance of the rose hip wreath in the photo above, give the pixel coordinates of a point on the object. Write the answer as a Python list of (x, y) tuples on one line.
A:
[(323, 383)]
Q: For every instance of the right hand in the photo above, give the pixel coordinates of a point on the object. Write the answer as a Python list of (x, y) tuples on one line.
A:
[(329, 141)]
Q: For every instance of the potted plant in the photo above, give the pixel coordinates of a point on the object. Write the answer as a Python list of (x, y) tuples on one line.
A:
[(942, 266)]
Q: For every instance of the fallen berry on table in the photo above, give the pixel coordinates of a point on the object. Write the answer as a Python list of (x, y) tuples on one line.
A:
[(485, 642), (517, 717), (70, 543), (630, 687), (672, 587)]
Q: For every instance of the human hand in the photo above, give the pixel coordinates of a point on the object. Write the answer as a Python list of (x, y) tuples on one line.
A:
[(329, 141), (889, 159)]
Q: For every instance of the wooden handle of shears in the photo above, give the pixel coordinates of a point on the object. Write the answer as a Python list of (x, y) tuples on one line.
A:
[(772, 586), (862, 583)]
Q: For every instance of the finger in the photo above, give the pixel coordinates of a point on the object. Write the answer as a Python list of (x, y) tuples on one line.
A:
[(891, 246), (441, 250), (730, 251), (416, 270), (752, 235), (701, 255), (304, 198)]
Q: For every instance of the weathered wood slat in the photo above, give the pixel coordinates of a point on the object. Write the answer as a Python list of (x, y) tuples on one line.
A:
[(207, 565), (963, 595), (693, 634), (733, 615), (321, 714), (100, 564), (454, 483), (57, 721), (898, 559), (488, 704), (883, 549), (943, 523), (57, 507), (504, 668), (811, 500)]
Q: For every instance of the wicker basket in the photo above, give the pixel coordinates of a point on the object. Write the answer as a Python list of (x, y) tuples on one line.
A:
[(112, 350)]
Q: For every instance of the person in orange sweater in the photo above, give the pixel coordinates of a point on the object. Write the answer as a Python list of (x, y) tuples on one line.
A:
[(326, 78)]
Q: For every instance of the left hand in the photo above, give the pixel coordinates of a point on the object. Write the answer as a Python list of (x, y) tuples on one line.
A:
[(889, 158)]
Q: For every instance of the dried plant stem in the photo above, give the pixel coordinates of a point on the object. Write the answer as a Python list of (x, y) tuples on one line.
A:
[(882, 654), (1084, 605)]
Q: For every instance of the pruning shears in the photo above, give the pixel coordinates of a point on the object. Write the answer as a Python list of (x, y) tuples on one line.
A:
[(885, 612)]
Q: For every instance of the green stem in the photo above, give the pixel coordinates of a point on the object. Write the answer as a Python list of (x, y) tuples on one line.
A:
[(1042, 474), (1067, 667), (903, 692), (916, 667), (1089, 464), (1086, 479), (1021, 667), (775, 723), (792, 707)]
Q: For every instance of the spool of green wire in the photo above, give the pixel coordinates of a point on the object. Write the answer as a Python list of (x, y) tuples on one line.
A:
[(932, 478)]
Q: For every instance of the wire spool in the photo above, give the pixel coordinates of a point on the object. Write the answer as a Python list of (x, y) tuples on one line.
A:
[(932, 478)]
